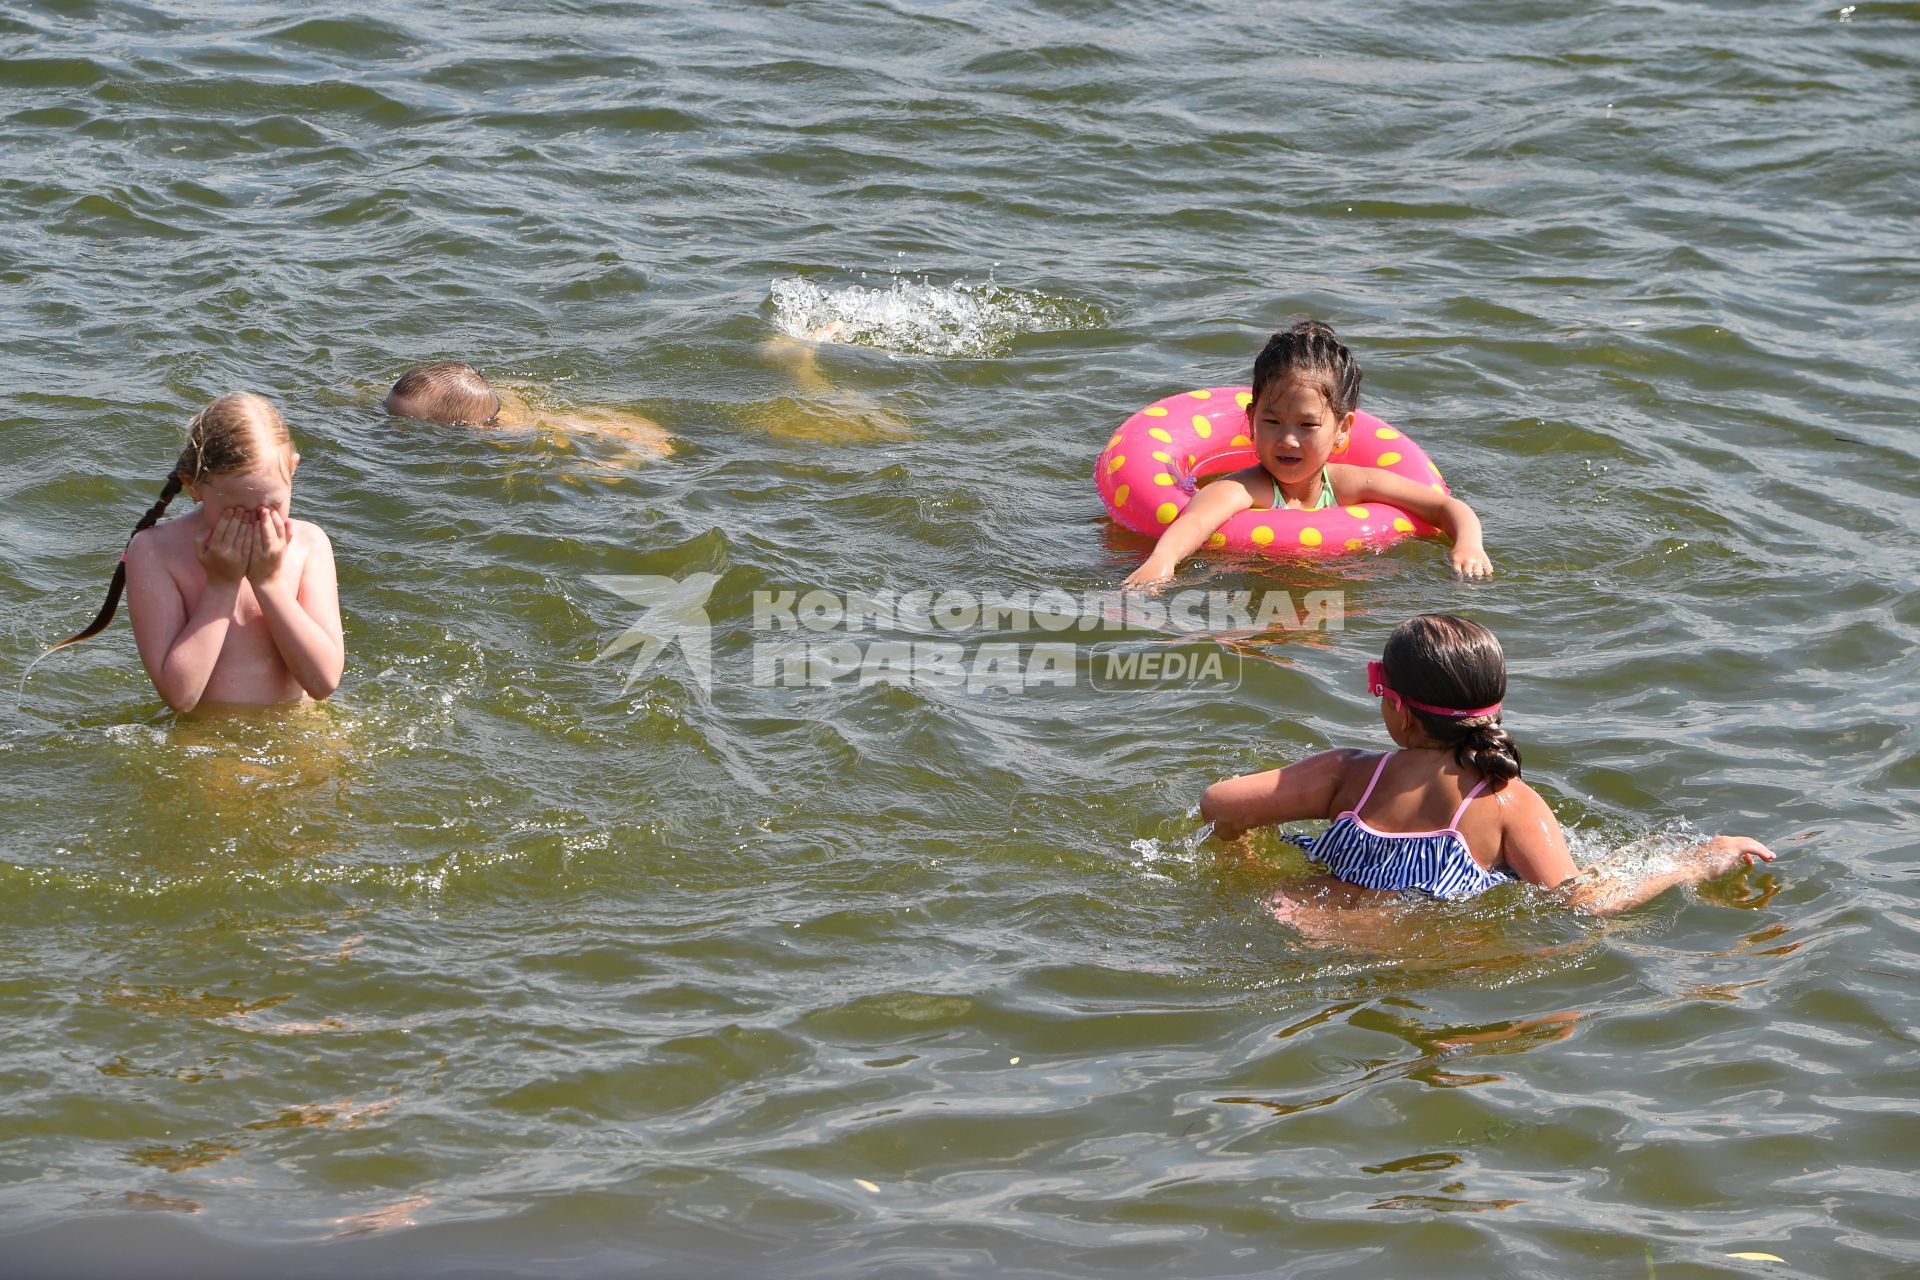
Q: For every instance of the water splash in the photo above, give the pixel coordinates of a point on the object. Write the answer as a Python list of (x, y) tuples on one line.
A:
[(922, 318)]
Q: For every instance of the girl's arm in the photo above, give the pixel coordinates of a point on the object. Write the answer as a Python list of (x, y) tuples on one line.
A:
[(179, 651), (1303, 790), (1450, 515), (1212, 507), (303, 617), (1536, 850), (1531, 842), (1596, 892)]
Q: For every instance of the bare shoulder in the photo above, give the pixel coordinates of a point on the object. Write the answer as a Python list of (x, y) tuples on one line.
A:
[(311, 533), (1354, 484), (1346, 476), (1518, 793), (162, 544), (311, 538), (1345, 771), (1521, 804), (1248, 480)]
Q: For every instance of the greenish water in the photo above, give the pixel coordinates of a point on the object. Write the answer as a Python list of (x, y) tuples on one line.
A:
[(496, 963)]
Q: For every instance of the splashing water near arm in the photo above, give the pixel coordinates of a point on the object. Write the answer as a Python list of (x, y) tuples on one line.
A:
[(1608, 887)]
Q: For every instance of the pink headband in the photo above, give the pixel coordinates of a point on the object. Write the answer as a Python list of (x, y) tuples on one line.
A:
[(1378, 687)]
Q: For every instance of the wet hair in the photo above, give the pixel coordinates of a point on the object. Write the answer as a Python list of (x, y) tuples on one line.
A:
[(232, 436), (1446, 661), (1310, 352), (445, 391)]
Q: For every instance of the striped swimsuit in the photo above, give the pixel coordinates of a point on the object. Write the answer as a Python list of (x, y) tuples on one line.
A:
[(1432, 862)]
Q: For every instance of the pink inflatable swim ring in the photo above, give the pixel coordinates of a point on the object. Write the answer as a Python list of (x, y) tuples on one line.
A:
[(1149, 471)]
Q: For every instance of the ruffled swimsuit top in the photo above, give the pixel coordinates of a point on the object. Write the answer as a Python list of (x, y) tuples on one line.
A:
[(1432, 862)]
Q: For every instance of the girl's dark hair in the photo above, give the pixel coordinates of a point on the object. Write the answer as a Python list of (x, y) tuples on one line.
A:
[(1309, 350), (234, 434), (1445, 661)]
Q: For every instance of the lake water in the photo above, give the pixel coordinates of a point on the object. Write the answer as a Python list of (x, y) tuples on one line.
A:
[(503, 961)]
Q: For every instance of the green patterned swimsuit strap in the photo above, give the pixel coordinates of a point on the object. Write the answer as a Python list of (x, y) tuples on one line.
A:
[(1326, 491)]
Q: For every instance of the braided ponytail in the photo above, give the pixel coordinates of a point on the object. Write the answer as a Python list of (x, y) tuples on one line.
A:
[(147, 521), (1309, 350), (1488, 747), (230, 435)]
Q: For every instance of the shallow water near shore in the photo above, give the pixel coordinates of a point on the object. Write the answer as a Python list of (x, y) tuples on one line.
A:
[(511, 960)]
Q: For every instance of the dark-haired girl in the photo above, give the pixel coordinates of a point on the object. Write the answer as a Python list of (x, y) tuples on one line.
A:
[(1306, 386), (236, 602), (1441, 682)]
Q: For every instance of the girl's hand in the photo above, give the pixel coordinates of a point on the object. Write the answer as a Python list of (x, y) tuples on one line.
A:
[(271, 536), (1447, 514), (1150, 574), (1728, 853), (1470, 559), (223, 549)]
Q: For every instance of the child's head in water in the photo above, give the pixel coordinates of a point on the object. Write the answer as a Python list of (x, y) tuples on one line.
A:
[(1306, 386), (1441, 681), (238, 454), (446, 391)]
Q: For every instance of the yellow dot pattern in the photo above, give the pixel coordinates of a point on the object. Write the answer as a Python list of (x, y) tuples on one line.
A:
[(1386, 433), (1217, 540), (1262, 535), (1116, 462), (1115, 440), (1310, 537), (1243, 399), (1120, 496), (1157, 411), (1160, 434), (1240, 442), (1201, 427), (1202, 394), (1402, 525), (1358, 513), (1354, 544), (1388, 458), (1166, 513), (1161, 456), (1162, 479)]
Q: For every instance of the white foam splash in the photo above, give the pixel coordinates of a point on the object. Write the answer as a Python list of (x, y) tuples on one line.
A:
[(918, 317)]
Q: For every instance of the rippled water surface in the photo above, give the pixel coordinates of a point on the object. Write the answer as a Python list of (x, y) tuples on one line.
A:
[(502, 960)]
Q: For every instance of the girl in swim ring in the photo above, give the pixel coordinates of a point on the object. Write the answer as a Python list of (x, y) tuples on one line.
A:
[(236, 603), (1441, 681), (1306, 386)]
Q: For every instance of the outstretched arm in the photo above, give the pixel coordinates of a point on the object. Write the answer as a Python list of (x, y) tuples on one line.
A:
[(1304, 790), (1450, 515), (1212, 507), (1595, 892), (1534, 849)]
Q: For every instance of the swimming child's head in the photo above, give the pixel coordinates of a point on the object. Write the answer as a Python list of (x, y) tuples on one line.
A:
[(238, 454), (1443, 678), (1306, 386), (446, 391)]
